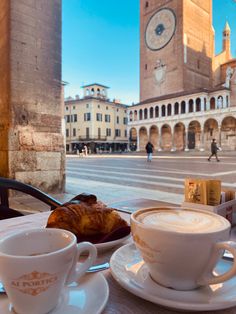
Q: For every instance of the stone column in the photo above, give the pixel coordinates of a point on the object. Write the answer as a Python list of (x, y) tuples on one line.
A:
[(186, 140), (219, 133), (194, 105), (32, 143), (224, 102), (202, 141), (173, 148), (138, 149), (159, 143), (187, 106), (208, 104), (202, 103)]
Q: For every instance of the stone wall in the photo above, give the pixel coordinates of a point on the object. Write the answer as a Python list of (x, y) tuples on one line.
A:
[(33, 131), (4, 85)]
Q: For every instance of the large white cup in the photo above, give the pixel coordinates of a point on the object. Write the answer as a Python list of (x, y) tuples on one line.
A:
[(182, 246), (36, 264)]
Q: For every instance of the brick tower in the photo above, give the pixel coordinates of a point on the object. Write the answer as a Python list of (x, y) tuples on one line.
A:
[(176, 46)]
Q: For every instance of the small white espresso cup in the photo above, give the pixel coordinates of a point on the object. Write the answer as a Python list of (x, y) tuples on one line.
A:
[(36, 264), (182, 246)]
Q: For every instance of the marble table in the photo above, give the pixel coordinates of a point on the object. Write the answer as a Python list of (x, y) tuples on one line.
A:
[(120, 300)]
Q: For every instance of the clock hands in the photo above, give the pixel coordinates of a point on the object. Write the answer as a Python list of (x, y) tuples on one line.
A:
[(159, 29)]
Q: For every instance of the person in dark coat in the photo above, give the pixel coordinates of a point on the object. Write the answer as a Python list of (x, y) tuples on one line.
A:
[(214, 149), (149, 149)]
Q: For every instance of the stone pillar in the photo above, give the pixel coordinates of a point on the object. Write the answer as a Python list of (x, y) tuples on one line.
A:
[(219, 133), (173, 148), (202, 141), (32, 144), (187, 106), (186, 140), (194, 105), (224, 102), (202, 103), (208, 105), (159, 143), (138, 149)]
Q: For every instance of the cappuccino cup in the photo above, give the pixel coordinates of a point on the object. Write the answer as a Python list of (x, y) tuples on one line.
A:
[(182, 246), (35, 266)]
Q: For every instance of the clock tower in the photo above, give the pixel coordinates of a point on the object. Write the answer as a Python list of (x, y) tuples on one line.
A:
[(176, 46)]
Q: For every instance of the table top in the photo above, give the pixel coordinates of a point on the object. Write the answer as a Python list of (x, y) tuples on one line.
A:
[(120, 300)]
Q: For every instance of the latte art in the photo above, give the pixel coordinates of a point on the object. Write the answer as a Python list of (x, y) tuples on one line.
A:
[(182, 220)]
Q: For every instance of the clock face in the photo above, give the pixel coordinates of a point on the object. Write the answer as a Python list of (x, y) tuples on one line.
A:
[(160, 29)]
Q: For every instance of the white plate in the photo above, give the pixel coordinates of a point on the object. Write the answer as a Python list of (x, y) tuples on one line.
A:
[(90, 296), (129, 270), (109, 245)]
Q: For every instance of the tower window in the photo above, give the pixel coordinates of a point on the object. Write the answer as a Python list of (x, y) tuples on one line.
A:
[(146, 4), (198, 64), (146, 66)]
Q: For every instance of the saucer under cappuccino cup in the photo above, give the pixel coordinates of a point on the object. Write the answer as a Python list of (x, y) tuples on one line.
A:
[(182, 246), (37, 264)]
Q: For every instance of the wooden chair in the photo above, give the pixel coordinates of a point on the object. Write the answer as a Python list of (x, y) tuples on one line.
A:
[(9, 184)]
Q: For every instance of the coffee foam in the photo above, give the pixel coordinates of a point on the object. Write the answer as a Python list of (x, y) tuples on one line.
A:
[(182, 220)]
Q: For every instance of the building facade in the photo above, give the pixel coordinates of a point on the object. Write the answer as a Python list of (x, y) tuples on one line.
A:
[(187, 94), (95, 121)]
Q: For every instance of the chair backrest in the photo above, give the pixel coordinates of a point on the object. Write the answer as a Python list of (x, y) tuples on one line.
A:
[(9, 184)]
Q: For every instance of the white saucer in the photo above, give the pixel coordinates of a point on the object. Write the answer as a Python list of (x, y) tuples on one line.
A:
[(90, 296), (131, 273), (109, 245)]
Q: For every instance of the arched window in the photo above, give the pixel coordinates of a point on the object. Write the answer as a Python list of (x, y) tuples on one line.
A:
[(183, 107), (151, 112), (135, 115), (145, 113), (156, 112), (163, 110), (220, 102), (212, 103), (176, 108), (98, 91), (92, 91), (131, 116), (198, 104), (169, 110), (140, 114), (190, 104)]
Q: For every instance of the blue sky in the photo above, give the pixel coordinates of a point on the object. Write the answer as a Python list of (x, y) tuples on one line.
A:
[(100, 43)]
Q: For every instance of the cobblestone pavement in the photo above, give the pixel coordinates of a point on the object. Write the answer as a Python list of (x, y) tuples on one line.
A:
[(127, 176)]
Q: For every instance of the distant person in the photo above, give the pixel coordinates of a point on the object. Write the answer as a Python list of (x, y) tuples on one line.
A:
[(80, 149), (214, 149), (85, 150), (149, 149)]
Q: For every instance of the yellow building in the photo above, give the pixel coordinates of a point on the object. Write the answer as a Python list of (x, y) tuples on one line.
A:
[(95, 121)]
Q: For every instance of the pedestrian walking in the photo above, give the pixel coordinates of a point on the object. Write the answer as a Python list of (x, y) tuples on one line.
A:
[(85, 150), (214, 149), (149, 149)]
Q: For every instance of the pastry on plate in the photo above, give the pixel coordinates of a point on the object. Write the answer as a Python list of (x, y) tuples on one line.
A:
[(89, 219)]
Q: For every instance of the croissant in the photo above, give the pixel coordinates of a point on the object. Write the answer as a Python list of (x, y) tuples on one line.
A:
[(90, 220)]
